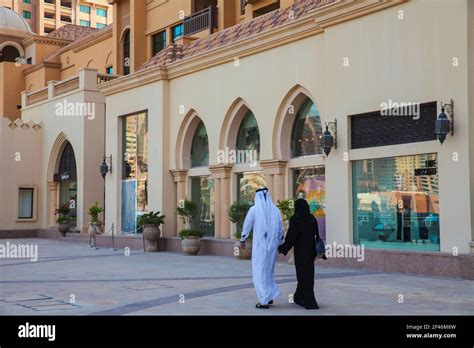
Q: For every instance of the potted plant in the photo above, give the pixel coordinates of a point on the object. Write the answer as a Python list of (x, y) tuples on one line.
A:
[(237, 213), (191, 241), (151, 228), (63, 219), (94, 212), (190, 238), (287, 208)]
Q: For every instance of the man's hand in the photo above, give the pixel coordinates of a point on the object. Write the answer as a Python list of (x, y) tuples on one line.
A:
[(242, 245)]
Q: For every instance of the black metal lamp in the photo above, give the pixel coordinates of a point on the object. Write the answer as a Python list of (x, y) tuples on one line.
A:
[(445, 122), (106, 166), (328, 141)]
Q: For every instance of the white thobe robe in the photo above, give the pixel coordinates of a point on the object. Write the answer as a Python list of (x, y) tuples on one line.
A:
[(265, 220)]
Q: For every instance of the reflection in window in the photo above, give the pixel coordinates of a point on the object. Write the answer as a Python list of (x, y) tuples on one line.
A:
[(126, 53), (134, 169), (307, 131), (25, 208), (248, 140), (248, 184), (396, 202), (310, 184), (202, 193), (200, 147)]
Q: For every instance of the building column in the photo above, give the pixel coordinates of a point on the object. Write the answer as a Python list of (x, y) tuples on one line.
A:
[(180, 178), (53, 201), (221, 174), (274, 171)]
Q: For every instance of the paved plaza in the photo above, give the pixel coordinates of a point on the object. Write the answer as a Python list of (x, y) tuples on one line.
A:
[(73, 279)]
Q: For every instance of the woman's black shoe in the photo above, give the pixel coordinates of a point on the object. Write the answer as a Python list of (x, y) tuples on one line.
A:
[(271, 302), (259, 305), (315, 306)]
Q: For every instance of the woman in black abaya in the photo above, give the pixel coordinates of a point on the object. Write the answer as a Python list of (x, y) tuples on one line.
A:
[(301, 235)]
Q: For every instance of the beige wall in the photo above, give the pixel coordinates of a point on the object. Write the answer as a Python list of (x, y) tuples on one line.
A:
[(389, 58), (10, 93), (86, 138), (20, 167)]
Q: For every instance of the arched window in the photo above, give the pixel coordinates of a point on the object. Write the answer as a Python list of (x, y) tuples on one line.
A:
[(200, 147), (248, 139), (67, 164), (307, 131), (126, 53), (9, 54)]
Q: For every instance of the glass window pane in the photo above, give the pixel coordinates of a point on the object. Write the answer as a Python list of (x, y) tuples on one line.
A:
[(200, 148), (248, 184), (25, 209), (134, 169), (202, 193), (248, 140), (396, 202), (159, 42), (307, 131), (310, 184)]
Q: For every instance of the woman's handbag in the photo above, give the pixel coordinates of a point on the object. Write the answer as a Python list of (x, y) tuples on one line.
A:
[(320, 249)]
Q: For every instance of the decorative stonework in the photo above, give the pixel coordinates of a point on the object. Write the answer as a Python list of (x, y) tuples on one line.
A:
[(19, 123)]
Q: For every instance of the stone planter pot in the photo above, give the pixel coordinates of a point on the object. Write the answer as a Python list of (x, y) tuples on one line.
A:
[(243, 254), (191, 245), (100, 226), (152, 234), (63, 228)]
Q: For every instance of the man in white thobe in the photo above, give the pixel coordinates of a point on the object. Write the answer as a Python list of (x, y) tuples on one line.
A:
[(265, 220)]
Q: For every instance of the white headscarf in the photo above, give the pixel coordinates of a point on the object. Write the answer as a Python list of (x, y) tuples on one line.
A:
[(267, 220)]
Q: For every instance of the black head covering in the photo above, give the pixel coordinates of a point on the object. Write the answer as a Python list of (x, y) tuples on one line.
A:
[(302, 208)]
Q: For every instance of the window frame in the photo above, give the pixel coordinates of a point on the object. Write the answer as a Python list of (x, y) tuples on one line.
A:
[(34, 203), (83, 7)]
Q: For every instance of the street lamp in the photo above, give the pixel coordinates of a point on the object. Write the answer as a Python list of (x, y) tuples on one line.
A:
[(328, 141), (445, 122), (106, 166)]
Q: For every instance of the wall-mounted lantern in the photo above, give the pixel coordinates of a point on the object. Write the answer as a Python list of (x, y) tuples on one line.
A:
[(328, 141), (106, 166), (445, 121)]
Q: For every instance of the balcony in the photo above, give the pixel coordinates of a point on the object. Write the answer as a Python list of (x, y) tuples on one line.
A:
[(87, 79), (202, 20)]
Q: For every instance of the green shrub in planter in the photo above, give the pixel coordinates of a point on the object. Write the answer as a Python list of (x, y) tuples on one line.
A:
[(94, 212), (187, 210), (190, 233), (151, 218), (287, 208), (237, 213)]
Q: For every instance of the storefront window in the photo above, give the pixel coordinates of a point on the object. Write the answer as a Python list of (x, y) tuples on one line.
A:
[(67, 178), (200, 148), (396, 202), (202, 193), (248, 184), (248, 140), (307, 131), (134, 170), (310, 184)]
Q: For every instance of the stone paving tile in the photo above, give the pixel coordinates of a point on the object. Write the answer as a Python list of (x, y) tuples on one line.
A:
[(108, 282)]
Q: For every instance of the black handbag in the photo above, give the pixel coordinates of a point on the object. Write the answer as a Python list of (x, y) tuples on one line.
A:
[(320, 248)]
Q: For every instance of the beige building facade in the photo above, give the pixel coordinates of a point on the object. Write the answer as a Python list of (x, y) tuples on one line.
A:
[(338, 56), (174, 92)]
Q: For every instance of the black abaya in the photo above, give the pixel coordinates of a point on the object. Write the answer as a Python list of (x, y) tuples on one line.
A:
[(301, 235)]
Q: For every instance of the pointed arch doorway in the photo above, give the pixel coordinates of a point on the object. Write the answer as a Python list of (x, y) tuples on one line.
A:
[(66, 179)]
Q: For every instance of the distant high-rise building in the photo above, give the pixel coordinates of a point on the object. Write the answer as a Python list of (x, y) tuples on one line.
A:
[(44, 16)]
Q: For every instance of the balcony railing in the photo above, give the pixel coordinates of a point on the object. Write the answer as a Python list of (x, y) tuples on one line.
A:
[(202, 20), (87, 79)]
